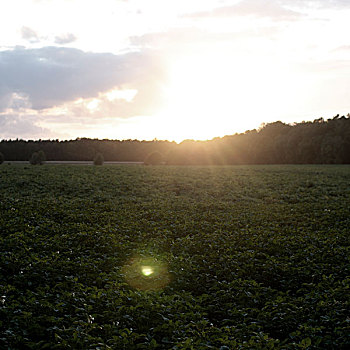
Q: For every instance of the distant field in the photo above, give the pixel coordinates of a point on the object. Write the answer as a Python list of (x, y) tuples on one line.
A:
[(136, 257)]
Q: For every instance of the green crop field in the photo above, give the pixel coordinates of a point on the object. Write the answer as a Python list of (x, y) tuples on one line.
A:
[(136, 257)]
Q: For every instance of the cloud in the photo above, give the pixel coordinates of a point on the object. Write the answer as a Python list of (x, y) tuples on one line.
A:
[(255, 8), (174, 36), (60, 92), (343, 48), (13, 125), (65, 38), (14, 101), (29, 34), (51, 76), (337, 4), (194, 36)]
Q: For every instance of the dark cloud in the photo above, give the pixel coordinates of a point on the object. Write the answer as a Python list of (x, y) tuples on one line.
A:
[(65, 39), (51, 76), (257, 8), (29, 34)]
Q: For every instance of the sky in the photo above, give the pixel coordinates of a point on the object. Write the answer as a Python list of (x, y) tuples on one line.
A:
[(184, 69)]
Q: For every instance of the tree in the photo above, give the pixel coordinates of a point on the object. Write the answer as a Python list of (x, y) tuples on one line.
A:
[(42, 157), (34, 159), (99, 159), (155, 158), (2, 158), (37, 158)]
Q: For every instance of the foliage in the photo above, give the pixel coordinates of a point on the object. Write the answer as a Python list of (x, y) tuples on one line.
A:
[(318, 142), (155, 158), (37, 158), (83, 149), (254, 257), (2, 158), (98, 159)]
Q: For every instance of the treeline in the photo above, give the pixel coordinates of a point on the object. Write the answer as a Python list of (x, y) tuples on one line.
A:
[(317, 142), (83, 149)]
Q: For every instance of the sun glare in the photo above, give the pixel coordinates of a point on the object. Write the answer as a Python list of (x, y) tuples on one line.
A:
[(214, 94)]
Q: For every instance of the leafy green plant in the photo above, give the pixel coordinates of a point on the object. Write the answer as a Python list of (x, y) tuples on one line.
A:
[(234, 257)]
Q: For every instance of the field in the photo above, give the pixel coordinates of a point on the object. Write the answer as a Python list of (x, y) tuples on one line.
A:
[(136, 257)]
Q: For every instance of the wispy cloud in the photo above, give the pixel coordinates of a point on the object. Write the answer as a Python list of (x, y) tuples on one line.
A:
[(343, 48), (66, 38), (336, 4), (256, 8), (194, 36), (29, 34)]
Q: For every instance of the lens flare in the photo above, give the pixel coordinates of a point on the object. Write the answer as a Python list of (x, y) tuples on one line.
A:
[(146, 273), (147, 270)]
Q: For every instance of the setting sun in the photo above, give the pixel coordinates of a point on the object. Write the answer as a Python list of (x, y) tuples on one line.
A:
[(212, 94)]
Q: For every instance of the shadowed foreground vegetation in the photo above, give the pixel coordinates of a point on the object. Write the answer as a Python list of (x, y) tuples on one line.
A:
[(317, 142), (133, 257)]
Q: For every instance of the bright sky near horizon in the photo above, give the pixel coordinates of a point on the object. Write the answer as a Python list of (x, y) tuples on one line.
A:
[(184, 69)]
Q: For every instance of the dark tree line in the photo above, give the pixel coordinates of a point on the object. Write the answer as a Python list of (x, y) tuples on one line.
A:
[(84, 149), (318, 142)]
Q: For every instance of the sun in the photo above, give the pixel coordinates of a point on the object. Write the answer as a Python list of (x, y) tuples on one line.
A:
[(195, 99), (215, 94)]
